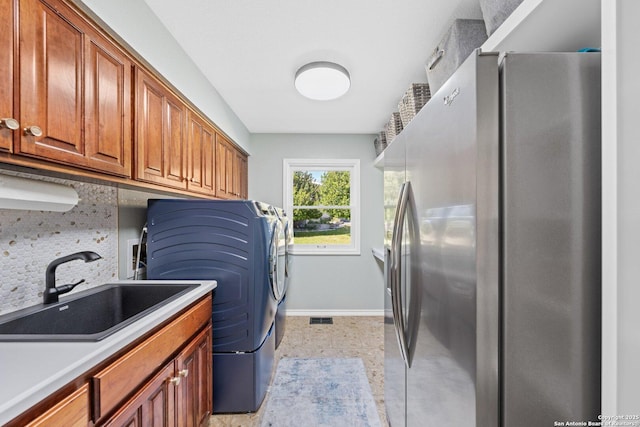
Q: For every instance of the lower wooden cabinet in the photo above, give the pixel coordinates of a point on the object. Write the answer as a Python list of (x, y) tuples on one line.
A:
[(184, 356), (71, 411), (193, 393), (164, 379), (151, 406), (179, 395)]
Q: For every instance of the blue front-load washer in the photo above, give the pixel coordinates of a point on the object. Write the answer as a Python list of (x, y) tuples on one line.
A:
[(234, 243)]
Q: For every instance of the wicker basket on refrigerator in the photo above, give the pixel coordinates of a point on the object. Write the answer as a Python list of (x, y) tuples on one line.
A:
[(393, 127), (413, 100), (380, 143)]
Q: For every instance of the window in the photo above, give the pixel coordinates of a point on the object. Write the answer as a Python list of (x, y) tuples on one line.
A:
[(323, 198)]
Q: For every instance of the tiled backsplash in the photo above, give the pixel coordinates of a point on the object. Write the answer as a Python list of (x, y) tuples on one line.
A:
[(30, 240)]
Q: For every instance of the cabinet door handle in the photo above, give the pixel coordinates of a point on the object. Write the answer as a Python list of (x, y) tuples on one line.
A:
[(9, 123), (33, 130), (175, 381), (183, 373)]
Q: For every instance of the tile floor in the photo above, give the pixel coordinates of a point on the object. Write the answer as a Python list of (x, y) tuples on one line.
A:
[(361, 337)]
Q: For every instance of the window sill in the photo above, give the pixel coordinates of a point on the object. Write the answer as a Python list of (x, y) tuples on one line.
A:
[(315, 252)]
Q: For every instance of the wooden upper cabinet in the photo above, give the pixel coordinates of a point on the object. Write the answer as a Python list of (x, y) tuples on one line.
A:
[(6, 75), (161, 133), (70, 95), (201, 156), (75, 91), (231, 170), (241, 174), (108, 99), (224, 168)]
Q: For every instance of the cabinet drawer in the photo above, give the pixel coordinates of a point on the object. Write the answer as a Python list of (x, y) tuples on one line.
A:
[(113, 384), (72, 411)]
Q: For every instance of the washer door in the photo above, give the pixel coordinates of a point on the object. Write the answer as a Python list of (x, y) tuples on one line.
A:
[(277, 261)]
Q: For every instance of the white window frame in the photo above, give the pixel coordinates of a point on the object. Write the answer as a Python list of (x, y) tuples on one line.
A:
[(353, 166)]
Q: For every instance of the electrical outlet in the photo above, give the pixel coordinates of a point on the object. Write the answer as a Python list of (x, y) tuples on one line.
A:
[(132, 253)]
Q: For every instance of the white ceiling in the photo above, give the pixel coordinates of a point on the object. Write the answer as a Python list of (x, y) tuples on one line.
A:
[(250, 51)]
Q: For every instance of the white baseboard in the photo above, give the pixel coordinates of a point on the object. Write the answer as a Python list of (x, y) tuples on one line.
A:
[(336, 313)]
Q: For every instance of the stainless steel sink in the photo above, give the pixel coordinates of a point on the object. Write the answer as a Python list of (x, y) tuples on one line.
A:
[(90, 315)]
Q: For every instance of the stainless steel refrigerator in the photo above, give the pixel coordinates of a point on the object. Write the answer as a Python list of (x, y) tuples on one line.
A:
[(492, 247)]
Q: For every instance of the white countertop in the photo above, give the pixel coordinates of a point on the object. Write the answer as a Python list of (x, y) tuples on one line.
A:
[(31, 371)]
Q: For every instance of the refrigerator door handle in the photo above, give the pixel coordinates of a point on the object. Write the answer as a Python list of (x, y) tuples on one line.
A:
[(395, 272), (414, 285)]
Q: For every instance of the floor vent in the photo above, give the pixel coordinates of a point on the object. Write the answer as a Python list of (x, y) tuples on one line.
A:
[(321, 320)]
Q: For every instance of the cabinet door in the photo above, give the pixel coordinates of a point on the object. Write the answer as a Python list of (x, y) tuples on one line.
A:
[(6, 73), (50, 82), (230, 173), (224, 167), (240, 176), (194, 400), (75, 91), (72, 411), (149, 131), (161, 133), (231, 170), (153, 405), (245, 178), (204, 383), (176, 141), (107, 94), (201, 156), (237, 171)]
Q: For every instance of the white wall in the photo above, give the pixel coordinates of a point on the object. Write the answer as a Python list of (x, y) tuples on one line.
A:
[(331, 284), (621, 208), (138, 26)]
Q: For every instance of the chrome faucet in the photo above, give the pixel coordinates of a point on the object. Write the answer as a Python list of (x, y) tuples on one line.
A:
[(51, 292)]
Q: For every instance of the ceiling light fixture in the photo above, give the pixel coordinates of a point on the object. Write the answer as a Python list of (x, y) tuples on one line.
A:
[(322, 81)]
